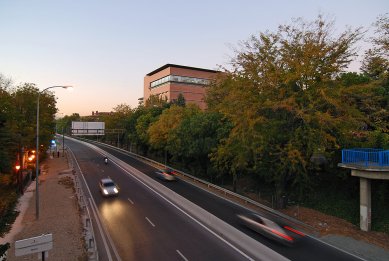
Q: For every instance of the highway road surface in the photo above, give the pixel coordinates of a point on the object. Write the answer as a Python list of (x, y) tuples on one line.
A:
[(140, 224)]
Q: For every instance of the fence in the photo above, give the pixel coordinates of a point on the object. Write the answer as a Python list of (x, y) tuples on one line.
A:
[(366, 157), (206, 183), (89, 237)]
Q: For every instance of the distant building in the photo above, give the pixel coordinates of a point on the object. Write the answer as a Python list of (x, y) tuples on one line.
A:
[(100, 113), (95, 116), (170, 80)]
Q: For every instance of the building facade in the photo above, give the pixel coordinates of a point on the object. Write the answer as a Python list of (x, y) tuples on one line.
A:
[(171, 80)]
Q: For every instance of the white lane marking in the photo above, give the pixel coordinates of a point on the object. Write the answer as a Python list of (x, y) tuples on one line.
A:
[(183, 211), (150, 222), (94, 206), (183, 257), (132, 202), (164, 198)]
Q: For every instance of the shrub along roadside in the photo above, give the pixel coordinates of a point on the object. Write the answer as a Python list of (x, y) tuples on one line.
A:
[(8, 200)]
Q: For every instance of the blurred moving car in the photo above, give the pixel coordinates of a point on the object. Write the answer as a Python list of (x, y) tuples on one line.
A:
[(166, 174), (266, 227), (108, 187)]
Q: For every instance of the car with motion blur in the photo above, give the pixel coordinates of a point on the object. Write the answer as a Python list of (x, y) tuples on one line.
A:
[(108, 187), (166, 174), (266, 227)]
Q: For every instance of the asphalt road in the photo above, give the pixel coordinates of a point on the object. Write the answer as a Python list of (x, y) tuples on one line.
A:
[(140, 224), (306, 248)]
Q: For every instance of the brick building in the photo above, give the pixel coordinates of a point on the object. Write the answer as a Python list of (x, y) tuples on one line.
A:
[(170, 80)]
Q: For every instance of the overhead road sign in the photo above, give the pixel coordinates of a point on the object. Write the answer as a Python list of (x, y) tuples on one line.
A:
[(81, 128)]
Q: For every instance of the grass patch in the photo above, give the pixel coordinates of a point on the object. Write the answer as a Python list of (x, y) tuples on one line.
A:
[(337, 203)]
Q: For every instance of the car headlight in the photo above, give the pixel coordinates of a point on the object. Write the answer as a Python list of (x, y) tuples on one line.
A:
[(105, 192), (115, 190)]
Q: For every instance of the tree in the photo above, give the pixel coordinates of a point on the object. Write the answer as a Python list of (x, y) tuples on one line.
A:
[(352, 78), (161, 130), (180, 100), (6, 112), (198, 136), (376, 60), (282, 103), (145, 118)]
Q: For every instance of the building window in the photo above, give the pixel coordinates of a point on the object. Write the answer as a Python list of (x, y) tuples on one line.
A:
[(179, 79)]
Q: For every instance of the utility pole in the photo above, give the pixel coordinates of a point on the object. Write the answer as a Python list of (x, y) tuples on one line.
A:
[(63, 142)]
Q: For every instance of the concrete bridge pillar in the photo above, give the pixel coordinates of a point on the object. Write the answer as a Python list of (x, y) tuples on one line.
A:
[(366, 164), (365, 204)]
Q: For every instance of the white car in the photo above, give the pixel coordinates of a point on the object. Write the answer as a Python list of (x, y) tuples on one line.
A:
[(266, 227), (108, 187)]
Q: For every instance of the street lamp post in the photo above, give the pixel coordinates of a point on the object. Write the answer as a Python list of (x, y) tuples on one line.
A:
[(37, 149)]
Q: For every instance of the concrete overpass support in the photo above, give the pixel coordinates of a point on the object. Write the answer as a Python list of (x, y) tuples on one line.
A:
[(365, 204)]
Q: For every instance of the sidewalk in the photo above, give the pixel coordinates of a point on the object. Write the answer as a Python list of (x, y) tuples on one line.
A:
[(59, 214)]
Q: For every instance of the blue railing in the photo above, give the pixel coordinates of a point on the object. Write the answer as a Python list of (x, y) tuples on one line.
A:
[(366, 157)]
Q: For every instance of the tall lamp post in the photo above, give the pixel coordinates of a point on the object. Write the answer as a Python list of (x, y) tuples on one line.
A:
[(37, 148)]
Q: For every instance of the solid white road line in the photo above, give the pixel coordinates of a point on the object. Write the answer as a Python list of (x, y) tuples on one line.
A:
[(132, 202)]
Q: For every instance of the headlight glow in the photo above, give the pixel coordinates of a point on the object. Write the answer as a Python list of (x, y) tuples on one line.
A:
[(116, 190), (105, 192)]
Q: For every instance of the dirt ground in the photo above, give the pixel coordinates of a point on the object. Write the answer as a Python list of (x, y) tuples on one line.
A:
[(322, 224), (326, 224), (59, 215)]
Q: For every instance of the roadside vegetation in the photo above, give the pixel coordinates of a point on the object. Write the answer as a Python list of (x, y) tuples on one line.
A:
[(278, 116), (17, 136), (277, 119)]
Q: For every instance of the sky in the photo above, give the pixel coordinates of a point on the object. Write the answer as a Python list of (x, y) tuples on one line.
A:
[(105, 48)]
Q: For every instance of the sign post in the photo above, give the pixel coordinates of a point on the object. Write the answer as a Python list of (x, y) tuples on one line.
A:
[(39, 244)]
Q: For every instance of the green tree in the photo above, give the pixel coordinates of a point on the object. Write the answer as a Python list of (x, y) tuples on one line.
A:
[(197, 137), (282, 103), (180, 100), (352, 78), (144, 120), (6, 112), (376, 60)]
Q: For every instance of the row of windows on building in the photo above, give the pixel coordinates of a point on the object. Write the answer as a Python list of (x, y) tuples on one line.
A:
[(179, 79)]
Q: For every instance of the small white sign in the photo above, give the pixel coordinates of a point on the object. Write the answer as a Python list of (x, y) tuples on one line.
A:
[(33, 245)]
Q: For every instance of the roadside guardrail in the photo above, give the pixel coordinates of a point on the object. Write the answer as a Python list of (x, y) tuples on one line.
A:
[(89, 236), (208, 184)]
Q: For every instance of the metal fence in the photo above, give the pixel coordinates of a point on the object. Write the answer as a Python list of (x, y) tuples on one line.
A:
[(224, 191), (366, 157), (89, 236)]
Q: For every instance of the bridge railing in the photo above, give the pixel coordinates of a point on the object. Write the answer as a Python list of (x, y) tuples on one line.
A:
[(366, 157)]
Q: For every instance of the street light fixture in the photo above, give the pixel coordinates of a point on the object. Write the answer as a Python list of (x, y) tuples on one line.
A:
[(37, 146)]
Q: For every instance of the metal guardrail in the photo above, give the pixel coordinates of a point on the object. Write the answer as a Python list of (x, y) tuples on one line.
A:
[(208, 184), (89, 236), (366, 157)]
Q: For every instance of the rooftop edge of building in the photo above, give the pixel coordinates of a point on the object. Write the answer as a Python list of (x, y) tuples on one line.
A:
[(181, 67)]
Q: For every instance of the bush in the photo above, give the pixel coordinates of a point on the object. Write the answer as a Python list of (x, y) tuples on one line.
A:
[(8, 201), (3, 249)]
